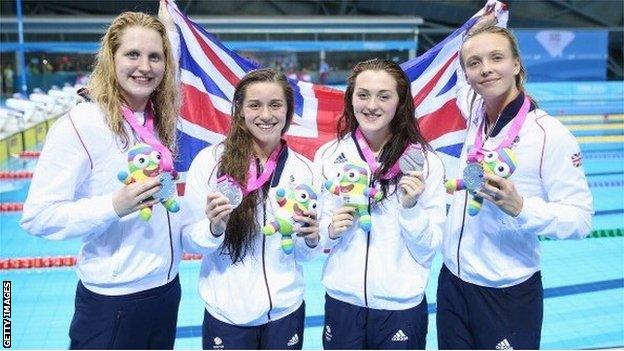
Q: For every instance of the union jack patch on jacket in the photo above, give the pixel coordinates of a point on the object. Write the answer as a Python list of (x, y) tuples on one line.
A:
[(577, 159)]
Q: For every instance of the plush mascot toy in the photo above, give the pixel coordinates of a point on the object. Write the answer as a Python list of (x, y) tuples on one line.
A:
[(144, 163), (291, 202), (351, 184), (502, 162)]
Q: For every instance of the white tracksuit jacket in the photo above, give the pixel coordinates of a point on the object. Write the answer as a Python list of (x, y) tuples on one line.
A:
[(268, 284), (71, 196), (494, 249), (388, 267)]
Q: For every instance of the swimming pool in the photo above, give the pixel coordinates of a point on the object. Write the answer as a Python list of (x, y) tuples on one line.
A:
[(583, 280)]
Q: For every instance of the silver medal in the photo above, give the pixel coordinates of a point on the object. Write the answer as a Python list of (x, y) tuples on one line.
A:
[(413, 159), (231, 191), (473, 177), (168, 188)]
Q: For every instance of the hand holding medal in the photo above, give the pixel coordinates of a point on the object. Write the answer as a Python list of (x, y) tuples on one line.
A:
[(167, 187), (230, 190), (413, 159), (474, 177), (218, 210), (411, 184)]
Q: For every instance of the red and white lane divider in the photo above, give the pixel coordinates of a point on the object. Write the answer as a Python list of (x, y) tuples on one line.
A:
[(11, 175), (57, 261), (29, 154), (11, 206)]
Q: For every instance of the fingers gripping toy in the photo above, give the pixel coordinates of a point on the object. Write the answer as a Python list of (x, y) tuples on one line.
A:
[(291, 202), (502, 162), (144, 163), (351, 184)]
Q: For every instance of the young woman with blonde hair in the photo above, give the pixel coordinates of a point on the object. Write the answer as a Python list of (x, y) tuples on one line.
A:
[(527, 182), (129, 292)]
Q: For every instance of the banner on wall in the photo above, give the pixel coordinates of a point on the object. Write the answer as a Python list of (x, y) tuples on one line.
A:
[(564, 55)]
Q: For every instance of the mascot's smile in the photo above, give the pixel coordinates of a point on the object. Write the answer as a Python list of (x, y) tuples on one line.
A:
[(298, 211), (151, 173), (346, 188)]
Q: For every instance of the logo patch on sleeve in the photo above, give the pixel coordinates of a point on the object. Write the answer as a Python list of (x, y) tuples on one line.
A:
[(577, 159)]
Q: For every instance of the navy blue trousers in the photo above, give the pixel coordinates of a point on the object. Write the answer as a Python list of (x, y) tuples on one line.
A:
[(283, 334), (476, 317), (142, 320), (351, 327)]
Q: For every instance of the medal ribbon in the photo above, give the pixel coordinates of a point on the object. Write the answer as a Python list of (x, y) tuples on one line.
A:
[(146, 134), (255, 181), (369, 157), (476, 153)]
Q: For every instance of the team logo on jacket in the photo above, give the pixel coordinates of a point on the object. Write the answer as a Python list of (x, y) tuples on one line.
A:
[(400, 336), (504, 345), (577, 159), (218, 343), (294, 340), (328, 333), (340, 159)]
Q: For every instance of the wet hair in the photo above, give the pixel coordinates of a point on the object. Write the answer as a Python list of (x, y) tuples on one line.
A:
[(513, 45), (104, 88), (238, 150), (515, 52), (403, 127)]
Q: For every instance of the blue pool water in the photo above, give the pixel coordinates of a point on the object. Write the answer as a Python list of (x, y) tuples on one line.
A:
[(583, 279)]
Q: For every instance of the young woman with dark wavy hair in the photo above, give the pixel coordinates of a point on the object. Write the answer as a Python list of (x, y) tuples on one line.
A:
[(377, 271)]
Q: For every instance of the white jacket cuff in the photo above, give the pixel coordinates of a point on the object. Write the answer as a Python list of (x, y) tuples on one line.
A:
[(199, 238)]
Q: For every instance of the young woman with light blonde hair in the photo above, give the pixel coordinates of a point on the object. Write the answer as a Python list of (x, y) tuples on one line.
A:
[(128, 294), (524, 180)]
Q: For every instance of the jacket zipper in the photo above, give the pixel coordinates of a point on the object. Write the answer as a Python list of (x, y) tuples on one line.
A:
[(266, 280), (170, 247), (461, 233), (368, 235)]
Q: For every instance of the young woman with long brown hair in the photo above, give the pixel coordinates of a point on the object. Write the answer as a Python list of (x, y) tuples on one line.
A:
[(377, 271), (252, 288)]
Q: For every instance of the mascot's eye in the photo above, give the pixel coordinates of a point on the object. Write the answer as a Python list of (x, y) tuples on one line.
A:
[(490, 157), (339, 175), (353, 176), (155, 156), (502, 170), (312, 204), (140, 161), (302, 196)]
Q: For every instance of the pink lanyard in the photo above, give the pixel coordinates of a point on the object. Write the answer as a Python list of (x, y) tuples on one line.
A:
[(255, 181), (146, 134), (476, 153), (370, 158)]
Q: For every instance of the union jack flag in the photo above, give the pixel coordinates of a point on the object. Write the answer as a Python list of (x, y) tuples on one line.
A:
[(210, 72), (577, 159)]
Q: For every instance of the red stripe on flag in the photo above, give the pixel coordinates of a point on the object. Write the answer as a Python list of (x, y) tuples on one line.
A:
[(444, 120), (198, 109), (180, 187), (424, 92), (330, 106), (223, 69)]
